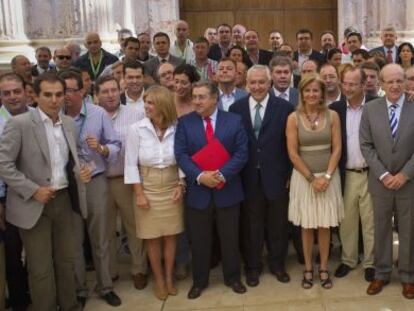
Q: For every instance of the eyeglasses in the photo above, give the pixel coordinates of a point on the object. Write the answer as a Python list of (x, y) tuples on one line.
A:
[(62, 57)]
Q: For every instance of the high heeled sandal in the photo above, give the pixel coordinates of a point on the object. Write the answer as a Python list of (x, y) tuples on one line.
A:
[(325, 282), (307, 283)]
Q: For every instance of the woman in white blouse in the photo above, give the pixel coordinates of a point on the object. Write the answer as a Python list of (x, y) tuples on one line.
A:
[(159, 186)]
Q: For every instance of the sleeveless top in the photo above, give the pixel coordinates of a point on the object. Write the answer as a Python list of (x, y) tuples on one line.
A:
[(315, 146)]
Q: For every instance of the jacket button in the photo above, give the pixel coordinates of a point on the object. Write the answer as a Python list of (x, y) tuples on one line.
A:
[(47, 179)]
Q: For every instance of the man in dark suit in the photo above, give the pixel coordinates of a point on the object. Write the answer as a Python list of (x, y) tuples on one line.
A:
[(282, 69), (161, 43), (304, 39), (226, 77), (388, 48), (255, 55), (354, 176), (219, 50), (39, 163), (43, 56), (386, 138), (265, 176), (205, 204), (96, 59)]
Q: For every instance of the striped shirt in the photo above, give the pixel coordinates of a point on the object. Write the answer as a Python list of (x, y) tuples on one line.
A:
[(121, 121), (94, 121)]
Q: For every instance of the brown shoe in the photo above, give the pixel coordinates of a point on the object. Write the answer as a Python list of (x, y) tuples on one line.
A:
[(376, 286), (408, 290), (140, 280)]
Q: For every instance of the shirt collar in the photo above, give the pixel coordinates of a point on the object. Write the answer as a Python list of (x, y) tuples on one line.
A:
[(278, 93), (306, 54), (399, 102), (350, 107), (130, 100), (161, 58), (45, 118), (4, 111), (231, 94), (253, 102), (213, 116)]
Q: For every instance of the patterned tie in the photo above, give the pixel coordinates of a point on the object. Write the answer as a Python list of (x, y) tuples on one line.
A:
[(209, 129), (257, 124), (389, 57), (393, 120)]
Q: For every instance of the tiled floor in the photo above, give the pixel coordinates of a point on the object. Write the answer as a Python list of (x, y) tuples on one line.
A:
[(348, 294)]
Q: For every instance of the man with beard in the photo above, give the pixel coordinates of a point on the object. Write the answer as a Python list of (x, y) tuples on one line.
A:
[(304, 39), (275, 40), (237, 35), (43, 56), (327, 43)]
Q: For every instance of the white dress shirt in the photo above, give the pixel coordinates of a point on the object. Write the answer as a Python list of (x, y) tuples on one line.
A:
[(227, 99), (58, 151), (136, 104), (144, 148), (187, 55), (252, 106), (284, 95), (355, 159)]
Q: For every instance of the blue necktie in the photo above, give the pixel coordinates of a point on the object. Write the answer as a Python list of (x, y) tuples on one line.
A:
[(393, 120)]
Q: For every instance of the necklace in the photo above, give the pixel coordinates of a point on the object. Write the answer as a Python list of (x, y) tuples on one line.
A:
[(313, 123)]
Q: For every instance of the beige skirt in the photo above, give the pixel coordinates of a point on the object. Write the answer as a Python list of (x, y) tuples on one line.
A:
[(310, 209), (163, 217)]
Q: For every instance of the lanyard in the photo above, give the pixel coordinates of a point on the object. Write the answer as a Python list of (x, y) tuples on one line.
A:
[(95, 70), (4, 114)]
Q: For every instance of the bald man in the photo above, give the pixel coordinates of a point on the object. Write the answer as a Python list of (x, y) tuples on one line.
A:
[(75, 49), (21, 65), (62, 58), (96, 59), (237, 34), (182, 47)]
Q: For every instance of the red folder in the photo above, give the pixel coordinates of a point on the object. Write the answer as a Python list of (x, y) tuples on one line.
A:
[(211, 157)]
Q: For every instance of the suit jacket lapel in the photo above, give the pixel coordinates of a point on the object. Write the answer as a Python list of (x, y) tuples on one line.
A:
[(383, 110), (69, 138), (247, 117), (269, 113), (220, 125), (40, 134), (404, 115)]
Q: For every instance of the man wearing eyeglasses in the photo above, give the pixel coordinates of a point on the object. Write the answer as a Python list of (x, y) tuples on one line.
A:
[(62, 58)]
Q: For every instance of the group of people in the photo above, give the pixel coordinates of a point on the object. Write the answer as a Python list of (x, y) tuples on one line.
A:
[(207, 151)]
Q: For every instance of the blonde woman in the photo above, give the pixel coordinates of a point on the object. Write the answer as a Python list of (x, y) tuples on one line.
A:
[(151, 167), (314, 145)]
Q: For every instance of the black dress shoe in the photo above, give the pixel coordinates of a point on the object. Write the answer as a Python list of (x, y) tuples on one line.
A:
[(194, 292), (82, 301), (342, 270), (112, 299), (237, 287), (369, 274), (282, 276), (252, 278)]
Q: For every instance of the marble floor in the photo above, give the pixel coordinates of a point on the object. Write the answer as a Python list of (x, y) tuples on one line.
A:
[(348, 294)]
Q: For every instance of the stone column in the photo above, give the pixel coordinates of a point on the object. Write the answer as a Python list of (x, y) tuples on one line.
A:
[(12, 21)]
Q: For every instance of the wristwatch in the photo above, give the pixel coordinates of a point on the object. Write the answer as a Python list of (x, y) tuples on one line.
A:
[(327, 176)]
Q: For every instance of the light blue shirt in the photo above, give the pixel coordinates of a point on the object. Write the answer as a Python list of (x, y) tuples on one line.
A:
[(399, 103)]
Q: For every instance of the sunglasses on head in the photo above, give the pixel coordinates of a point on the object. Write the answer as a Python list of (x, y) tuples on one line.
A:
[(62, 57)]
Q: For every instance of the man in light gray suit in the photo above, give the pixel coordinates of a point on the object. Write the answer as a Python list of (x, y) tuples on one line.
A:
[(282, 69), (161, 43), (386, 138), (39, 163)]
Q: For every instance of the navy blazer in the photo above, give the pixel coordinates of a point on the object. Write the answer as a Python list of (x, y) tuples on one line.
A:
[(315, 55), (269, 150), (215, 52), (293, 95), (264, 58), (107, 59), (240, 93), (190, 137)]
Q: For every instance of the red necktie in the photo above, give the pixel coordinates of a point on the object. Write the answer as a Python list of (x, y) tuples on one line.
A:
[(209, 129), (389, 57)]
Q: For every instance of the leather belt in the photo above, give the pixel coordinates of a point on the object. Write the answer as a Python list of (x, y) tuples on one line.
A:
[(358, 170)]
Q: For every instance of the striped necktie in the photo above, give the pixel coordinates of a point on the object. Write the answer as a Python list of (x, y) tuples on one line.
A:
[(393, 120)]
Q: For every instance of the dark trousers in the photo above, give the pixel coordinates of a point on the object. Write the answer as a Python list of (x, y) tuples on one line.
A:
[(262, 218), (16, 274), (200, 232)]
